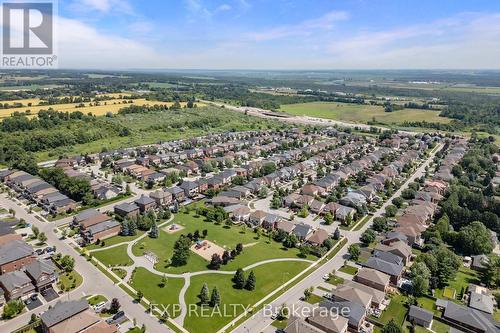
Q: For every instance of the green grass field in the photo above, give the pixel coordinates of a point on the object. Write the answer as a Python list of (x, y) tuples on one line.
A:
[(396, 310), (150, 285), (462, 279), (114, 240), (348, 270), (97, 299), (268, 277), (116, 256), (359, 113), (256, 249)]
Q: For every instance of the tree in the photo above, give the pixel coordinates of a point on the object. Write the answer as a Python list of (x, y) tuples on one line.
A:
[(328, 218), (307, 293), (475, 239), (215, 298), (490, 275), (398, 202), (154, 231), (239, 248), (139, 296), (283, 312), (42, 237), (182, 252), (290, 241), (354, 251), (336, 234), (251, 281), (409, 194), (380, 224), (239, 279), (225, 257), (35, 230), (391, 327), (115, 305), (368, 236), (203, 296), (420, 275), (215, 262), (391, 211), (68, 263), (164, 281), (12, 308)]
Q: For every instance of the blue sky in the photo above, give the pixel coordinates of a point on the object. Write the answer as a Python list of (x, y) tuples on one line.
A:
[(279, 34)]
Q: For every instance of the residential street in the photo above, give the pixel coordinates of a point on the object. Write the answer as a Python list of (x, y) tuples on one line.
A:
[(94, 281), (259, 321)]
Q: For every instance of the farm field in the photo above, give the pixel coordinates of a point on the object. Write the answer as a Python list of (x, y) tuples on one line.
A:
[(112, 106), (29, 87), (255, 249), (268, 278), (357, 113)]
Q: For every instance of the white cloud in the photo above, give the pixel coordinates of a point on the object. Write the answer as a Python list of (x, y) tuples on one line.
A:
[(304, 28)]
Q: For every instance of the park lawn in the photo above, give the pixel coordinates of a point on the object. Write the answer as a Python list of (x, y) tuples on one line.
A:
[(114, 240), (462, 279), (396, 310), (351, 270), (116, 256), (226, 237), (149, 284), (96, 299), (268, 278), (360, 113)]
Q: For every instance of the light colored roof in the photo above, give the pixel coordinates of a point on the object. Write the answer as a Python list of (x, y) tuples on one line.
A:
[(481, 302), (373, 275), (333, 323), (377, 295), (349, 293), (62, 311), (14, 250)]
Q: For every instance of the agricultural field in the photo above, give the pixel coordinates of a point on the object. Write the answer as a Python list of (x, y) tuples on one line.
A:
[(105, 107), (360, 113)]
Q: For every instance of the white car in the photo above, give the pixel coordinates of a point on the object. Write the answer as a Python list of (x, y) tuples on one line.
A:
[(326, 276), (99, 306)]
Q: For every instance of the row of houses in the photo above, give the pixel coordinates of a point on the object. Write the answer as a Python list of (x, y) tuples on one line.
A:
[(38, 191), (94, 225), (22, 273)]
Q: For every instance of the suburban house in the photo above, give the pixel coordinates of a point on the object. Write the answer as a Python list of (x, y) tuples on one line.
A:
[(145, 203), (257, 217), (284, 226), (398, 248), (14, 255), (420, 316), (329, 324), (42, 274), (318, 237), (469, 318), (351, 294), (161, 198), (127, 210), (299, 325), (353, 312), (373, 278), (302, 231), (74, 317), (177, 193), (378, 296), (393, 270), (16, 284)]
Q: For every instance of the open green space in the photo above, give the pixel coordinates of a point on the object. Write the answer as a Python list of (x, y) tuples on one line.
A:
[(313, 299), (147, 128), (440, 327), (256, 248), (120, 272), (335, 280), (268, 278), (114, 240), (360, 113), (154, 291), (115, 256), (428, 304)]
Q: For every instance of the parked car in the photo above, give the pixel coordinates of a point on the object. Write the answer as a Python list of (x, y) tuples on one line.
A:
[(99, 306), (118, 315)]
